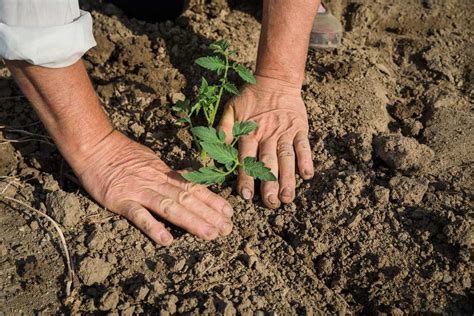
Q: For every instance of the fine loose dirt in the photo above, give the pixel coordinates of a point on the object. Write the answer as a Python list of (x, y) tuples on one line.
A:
[(385, 227)]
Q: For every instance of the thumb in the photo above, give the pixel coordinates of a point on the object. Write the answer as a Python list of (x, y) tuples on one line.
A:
[(227, 122)]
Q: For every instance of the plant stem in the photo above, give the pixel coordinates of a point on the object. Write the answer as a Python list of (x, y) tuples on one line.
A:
[(221, 91), (236, 164), (235, 141)]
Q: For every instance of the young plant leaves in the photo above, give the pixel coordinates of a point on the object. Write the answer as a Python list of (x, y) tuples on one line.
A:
[(207, 175), (256, 169), (221, 153), (212, 63), (207, 134), (245, 74), (231, 88), (219, 46), (204, 87), (181, 106), (185, 119), (243, 128), (221, 135)]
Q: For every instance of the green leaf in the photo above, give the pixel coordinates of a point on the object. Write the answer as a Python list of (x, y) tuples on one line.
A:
[(221, 153), (207, 175), (229, 165), (206, 134), (256, 169), (231, 88), (196, 107), (211, 63), (203, 88), (221, 135), (219, 46), (211, 91), (243, 128), (181, 106), (245, 74), (185, 120)]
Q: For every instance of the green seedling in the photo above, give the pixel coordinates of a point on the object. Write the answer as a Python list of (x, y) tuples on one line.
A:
[(210, 95), (210, 140)]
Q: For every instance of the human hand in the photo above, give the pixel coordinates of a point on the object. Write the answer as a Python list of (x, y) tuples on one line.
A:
[(130, 180), (280, 139)]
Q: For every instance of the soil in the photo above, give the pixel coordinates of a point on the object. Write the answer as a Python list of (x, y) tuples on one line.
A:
[(385, 227)]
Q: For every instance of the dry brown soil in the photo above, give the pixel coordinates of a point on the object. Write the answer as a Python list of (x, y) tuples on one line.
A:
[(385, 227)]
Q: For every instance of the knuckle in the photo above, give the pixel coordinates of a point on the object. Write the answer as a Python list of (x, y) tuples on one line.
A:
[(147, 227), (191, 187), (268, 158), (285, 150), (184, 197), (166, 207), (250, 138), (302, 143), (135, 214)]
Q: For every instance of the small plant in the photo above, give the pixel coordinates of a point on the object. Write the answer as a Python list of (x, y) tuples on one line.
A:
[(209, 139), (209, 96)]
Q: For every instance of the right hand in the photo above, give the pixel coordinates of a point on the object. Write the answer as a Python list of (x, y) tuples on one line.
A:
[(129, 179)]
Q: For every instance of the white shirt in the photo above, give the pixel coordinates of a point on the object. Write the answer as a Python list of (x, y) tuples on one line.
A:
[(48, 33)]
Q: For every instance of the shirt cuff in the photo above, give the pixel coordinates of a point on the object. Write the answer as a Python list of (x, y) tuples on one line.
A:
[(51, 47)]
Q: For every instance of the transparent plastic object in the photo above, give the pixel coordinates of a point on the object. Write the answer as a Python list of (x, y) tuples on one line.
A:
[(327, 31)]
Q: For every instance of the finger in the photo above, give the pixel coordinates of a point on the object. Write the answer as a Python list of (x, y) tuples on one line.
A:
[(286, 167), (198, 207), (144, 221), (213, 200), (179, 215), (248, 147), (304, 156), (227, 121), (269, 189), (204, 194)]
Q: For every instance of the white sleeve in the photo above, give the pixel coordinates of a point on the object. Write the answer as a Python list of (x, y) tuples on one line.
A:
[(48, 33)]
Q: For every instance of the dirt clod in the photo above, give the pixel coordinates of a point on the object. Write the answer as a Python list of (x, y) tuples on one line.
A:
[(94, 270), (64, 207), (408, 191), (381, 195), (110, 300), (96, 240), (402, 153)]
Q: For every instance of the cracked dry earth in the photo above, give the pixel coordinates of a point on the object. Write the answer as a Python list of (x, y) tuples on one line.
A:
[(385, 227)]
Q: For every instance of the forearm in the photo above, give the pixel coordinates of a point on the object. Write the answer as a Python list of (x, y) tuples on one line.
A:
[(284, 39), (66, 103)]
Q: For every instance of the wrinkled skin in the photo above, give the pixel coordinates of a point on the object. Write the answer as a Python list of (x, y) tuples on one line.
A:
[(280, 141), (130, 180)]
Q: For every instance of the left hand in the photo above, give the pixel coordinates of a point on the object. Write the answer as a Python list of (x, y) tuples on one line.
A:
[(281, 138)]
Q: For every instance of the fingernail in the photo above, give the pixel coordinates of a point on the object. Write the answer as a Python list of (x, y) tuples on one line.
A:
[(227, 210), (226, 227), (307, 173), (273, 199), (286, 192), (246, 193), (210, 232), (165, 237)]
